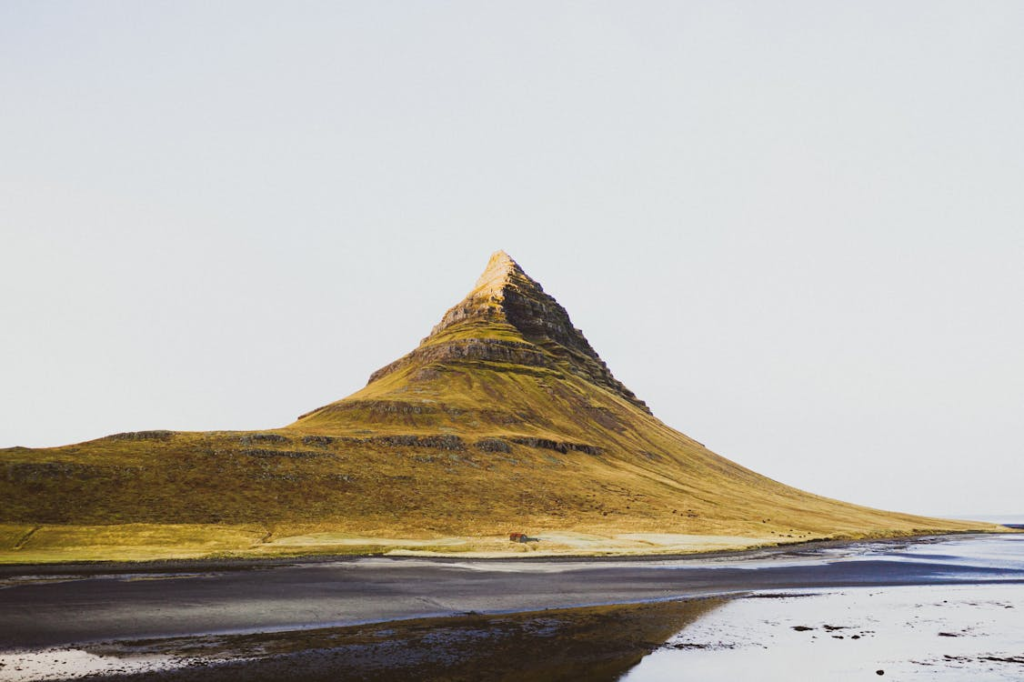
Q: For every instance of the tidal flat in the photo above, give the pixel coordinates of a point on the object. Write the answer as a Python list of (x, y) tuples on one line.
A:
[(947, 608)]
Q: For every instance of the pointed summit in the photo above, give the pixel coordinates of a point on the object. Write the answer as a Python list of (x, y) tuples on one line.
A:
[(508, 317), (501, 271), (502, 279)]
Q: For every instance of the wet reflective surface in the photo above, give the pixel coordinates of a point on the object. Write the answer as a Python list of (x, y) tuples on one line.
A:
[(916, 632)]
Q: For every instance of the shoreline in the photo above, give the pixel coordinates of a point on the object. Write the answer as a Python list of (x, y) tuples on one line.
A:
[(66, 607), (249, 563), (595, 643), (967, 633), (716, 634)]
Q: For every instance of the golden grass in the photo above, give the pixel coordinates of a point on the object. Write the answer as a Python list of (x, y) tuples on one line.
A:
[(129, 542)]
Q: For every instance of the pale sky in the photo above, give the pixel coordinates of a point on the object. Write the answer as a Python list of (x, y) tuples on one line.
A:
[(796, 229)]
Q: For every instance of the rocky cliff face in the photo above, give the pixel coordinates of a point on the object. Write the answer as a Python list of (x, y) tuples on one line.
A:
[(505, 296)]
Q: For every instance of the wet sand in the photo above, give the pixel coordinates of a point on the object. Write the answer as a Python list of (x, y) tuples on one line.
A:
[(597, 643), (40, 611)]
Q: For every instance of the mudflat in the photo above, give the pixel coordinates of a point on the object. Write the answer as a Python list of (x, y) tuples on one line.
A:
[(596, 643)]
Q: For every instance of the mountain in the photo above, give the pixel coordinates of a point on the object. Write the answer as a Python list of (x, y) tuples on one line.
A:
[(504, 419)]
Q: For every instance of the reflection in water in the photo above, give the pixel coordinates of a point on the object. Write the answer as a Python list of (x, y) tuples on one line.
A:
[(933, 632)]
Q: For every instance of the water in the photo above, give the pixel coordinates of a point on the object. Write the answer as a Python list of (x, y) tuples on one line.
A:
[(947, 632)]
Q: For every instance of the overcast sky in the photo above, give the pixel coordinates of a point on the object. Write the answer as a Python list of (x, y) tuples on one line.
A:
[(796, 229)]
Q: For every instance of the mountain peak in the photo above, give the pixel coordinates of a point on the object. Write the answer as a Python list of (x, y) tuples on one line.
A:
[(501, 272), (508, 317)]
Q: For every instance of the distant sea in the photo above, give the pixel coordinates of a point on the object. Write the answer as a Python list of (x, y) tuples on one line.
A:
[(1004, 519)]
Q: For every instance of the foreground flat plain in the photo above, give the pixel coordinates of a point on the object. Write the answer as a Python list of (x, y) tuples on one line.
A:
[(84, 613)]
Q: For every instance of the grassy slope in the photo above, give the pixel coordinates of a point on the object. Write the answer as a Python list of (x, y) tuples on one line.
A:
[(340, 473)]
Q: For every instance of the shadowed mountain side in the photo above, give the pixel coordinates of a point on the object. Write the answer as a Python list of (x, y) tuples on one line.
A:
[(503, 419)]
